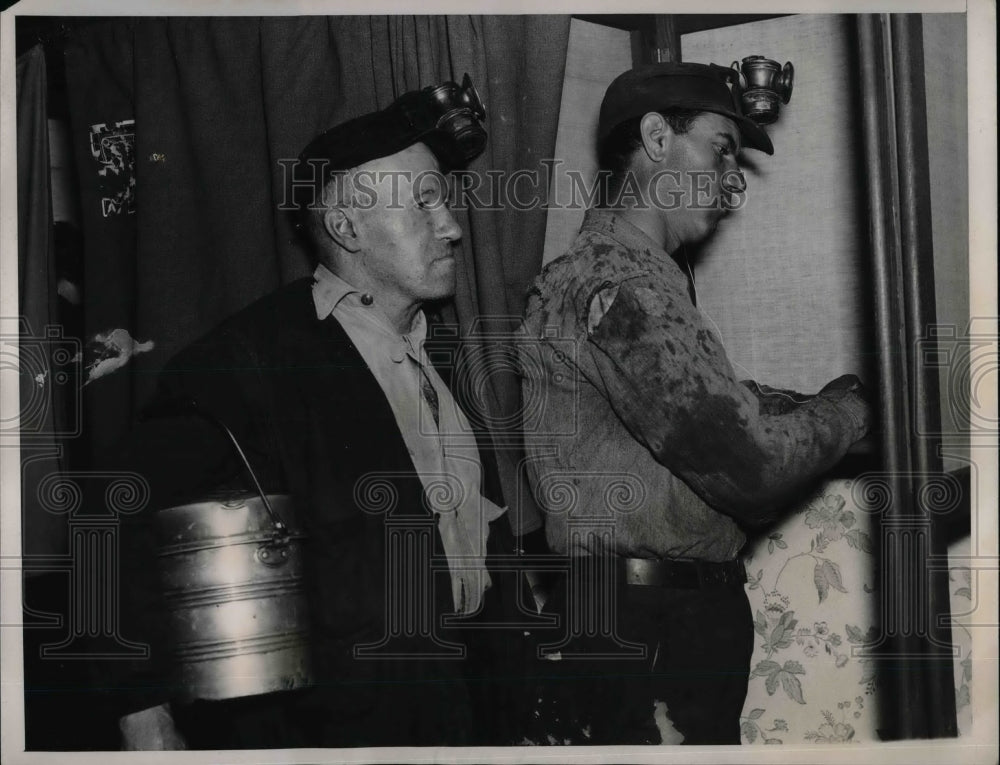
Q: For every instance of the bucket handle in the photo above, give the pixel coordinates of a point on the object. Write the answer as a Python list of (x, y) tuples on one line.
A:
[(190, 406)]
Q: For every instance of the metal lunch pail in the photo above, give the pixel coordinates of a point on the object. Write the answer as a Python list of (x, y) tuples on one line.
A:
[(232, 582)]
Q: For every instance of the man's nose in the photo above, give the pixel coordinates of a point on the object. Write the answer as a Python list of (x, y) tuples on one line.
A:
[(734, 182), (448, 228)]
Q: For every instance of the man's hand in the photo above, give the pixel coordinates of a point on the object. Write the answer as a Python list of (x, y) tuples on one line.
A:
[(850, 392), (539, 582), (775, 401), (844, 382), (149, 730)]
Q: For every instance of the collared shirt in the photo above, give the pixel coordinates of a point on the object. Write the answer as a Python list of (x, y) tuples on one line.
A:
[(645, 440), (444, 454)]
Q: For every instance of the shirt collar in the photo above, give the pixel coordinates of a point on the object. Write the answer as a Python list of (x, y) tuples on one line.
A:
[(329, 290), (613, 225), (413, 340)]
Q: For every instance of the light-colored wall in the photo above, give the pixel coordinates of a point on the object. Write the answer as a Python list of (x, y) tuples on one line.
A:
[(946, 80), (786, 277), (948, 146), (596, 55), (786, 281)]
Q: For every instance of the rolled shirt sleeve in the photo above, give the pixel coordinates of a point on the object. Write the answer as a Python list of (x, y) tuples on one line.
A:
[(668, 379)]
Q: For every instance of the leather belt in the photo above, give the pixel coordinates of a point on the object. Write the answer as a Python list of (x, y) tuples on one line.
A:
[(682, 574)]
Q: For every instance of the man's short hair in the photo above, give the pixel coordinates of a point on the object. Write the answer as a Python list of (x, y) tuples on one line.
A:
[(615, 152), (308, 220), (447, 118)]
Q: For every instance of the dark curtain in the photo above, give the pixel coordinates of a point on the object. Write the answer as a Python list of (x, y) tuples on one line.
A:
[(46, 365), (179, 125), (517, 64)]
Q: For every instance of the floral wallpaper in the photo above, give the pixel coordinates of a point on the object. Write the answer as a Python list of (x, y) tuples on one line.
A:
[(963, 601), (813, 591), (812, 586)]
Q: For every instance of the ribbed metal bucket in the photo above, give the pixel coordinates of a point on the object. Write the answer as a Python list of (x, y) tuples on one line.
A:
[(235, 602)]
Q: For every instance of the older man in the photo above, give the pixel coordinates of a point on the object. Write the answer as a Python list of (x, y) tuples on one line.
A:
[(657, 409), (326, 385)]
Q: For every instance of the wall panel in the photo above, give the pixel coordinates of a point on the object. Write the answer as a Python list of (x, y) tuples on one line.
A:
[(785, 278), (786, 282), (948, 147), (596, 55)]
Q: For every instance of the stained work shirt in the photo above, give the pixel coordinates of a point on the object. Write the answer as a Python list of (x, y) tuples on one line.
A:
[(444, 452), (642, 426)]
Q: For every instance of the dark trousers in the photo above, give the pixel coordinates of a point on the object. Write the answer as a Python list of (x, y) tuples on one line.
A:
[(433, 712), (416, 701), (688, 648)]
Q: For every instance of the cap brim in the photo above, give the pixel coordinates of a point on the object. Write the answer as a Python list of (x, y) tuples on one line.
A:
[(753, 134), (445, 148)]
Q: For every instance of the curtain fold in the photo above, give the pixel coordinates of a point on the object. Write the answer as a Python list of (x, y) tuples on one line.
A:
[(180, 126), (43, 407), (517, 64), (99, 77), (524, 84)]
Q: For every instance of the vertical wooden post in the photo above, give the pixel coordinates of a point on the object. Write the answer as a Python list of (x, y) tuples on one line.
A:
[(915, 657), (920, 318), (657, 39)]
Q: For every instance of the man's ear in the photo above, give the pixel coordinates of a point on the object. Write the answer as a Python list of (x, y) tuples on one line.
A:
[(340, 228), (656, 135)]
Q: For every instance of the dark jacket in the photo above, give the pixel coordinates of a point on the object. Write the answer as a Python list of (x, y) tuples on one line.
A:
[(314, 423)]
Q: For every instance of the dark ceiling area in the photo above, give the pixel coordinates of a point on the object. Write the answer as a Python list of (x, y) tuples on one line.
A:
[(52, 33), (686, 22)]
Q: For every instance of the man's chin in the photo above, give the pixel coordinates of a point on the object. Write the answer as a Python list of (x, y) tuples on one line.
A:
[(719, 215), (443, 279)]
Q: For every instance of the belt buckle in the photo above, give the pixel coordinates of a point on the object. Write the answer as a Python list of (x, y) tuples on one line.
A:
[(714, 574), (707, 575)]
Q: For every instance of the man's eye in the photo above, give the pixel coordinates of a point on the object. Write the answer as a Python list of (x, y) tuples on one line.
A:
[(722, 150), (430, 199)]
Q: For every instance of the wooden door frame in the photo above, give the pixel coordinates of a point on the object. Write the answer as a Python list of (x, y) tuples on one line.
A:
[(915, 650)]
